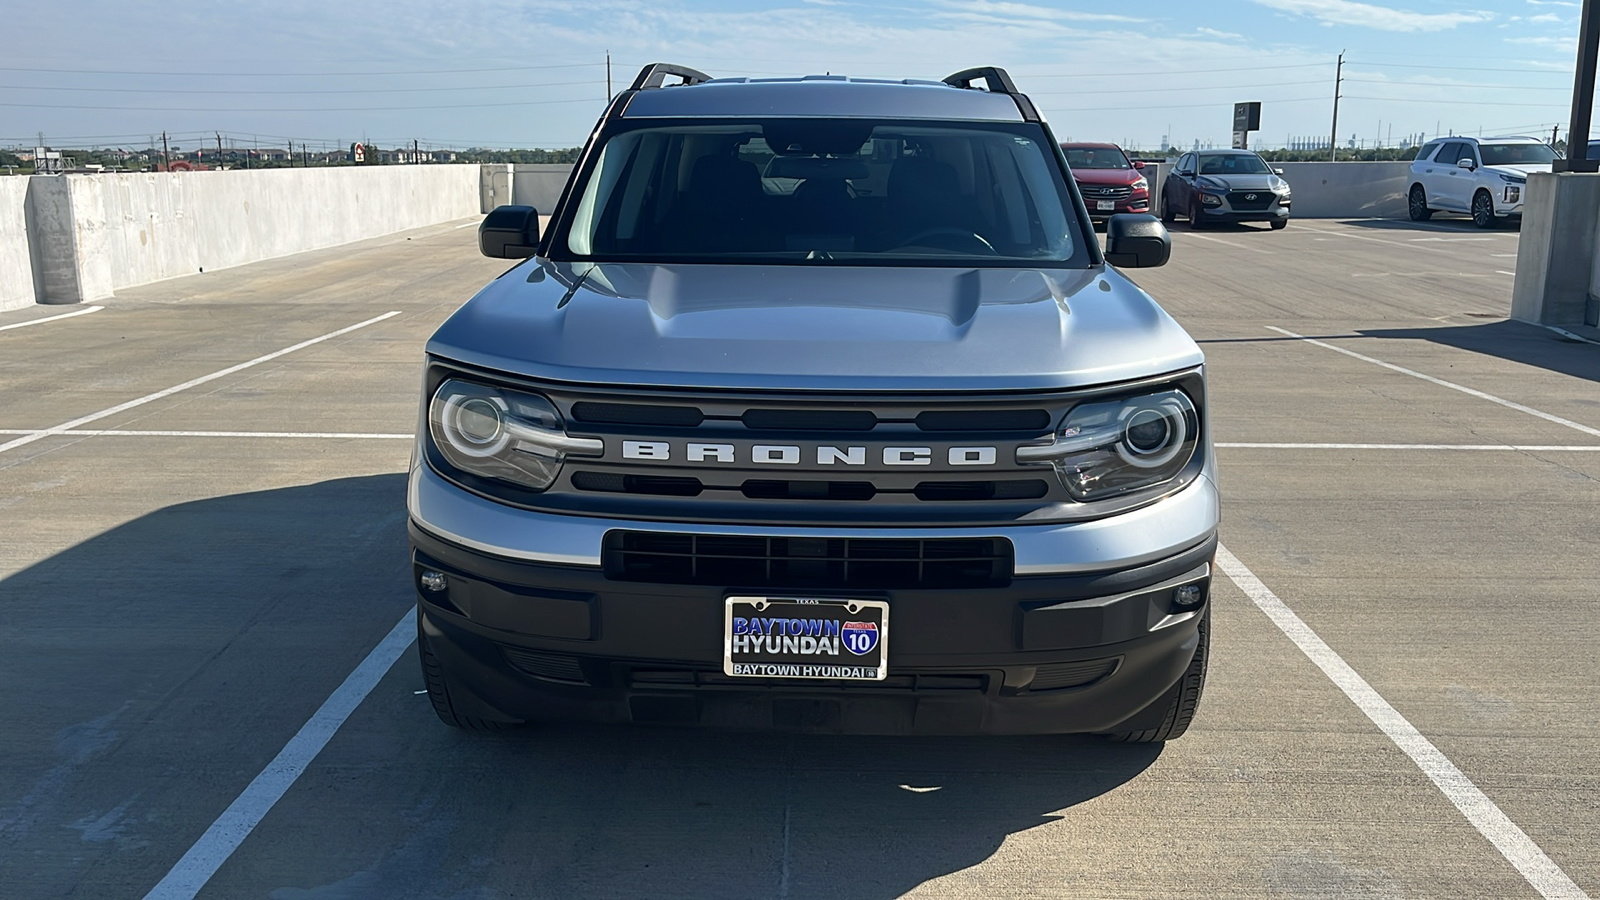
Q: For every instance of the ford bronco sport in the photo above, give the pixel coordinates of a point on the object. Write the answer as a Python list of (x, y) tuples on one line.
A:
[(816, 406)]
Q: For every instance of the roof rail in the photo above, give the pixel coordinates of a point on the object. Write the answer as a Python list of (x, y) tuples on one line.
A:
[(653, 75), (998, 81)]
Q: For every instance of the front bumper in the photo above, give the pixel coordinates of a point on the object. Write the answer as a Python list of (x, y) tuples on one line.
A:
[(1136, 204), (1088, 647)]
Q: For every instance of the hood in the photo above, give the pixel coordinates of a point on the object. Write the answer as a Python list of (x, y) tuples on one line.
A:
[(1242, 182), (823, 328), (1521, 171), (1107, 176)]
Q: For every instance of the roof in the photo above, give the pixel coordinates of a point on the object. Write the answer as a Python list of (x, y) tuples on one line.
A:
[(830, 96), (1088, 145)]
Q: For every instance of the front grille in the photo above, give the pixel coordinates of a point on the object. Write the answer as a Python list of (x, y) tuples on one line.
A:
[(1065, 676), (656, 485), (636, 414), (1092, 192), (810, 419), (1031, 421), (787, 562), (549, 666), (1242, 200), (714, 679), (1027, 489), (808, 490)]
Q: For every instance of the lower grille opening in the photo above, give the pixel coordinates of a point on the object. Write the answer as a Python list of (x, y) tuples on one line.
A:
[(1029, 489), (730, 561), (549, 666), (809, 490), (660, 485), (1065, 676)]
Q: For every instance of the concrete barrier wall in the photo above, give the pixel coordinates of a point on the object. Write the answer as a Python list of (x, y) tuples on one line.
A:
[(152, 226), (539, 186), (16, 266), (1348, 190), (91, 235)]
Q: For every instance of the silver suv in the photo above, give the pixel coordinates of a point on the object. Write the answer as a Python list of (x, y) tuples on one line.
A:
[(1487, 178), (817, 406)]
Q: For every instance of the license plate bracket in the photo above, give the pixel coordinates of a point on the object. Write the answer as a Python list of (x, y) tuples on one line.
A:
[(805, 638)]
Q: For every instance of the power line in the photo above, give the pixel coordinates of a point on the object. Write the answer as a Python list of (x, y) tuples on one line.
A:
[(1218, 87), (1454, 102), (1506, 87), (490, 87), (215, 73), (319, 109)]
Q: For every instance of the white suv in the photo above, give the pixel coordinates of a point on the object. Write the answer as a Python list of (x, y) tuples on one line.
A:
[(1486, 178)]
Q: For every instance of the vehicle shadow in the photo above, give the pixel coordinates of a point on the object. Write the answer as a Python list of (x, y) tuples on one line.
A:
[(623, 812), (1441, 222), (1516, 341), (159, 666)]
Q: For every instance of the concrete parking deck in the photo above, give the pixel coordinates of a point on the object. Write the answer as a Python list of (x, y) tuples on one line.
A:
[(204, 538)]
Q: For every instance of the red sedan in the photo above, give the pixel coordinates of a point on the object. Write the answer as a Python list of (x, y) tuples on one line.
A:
[(1109, 182)]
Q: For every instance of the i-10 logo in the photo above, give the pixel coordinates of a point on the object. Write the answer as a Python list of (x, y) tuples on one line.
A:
[(860, 637)]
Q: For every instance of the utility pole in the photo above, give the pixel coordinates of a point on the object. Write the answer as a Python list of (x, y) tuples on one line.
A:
[(608, 76), (416, 156), (1338, 82), (166, 157), (1555, 132), (219, 147)]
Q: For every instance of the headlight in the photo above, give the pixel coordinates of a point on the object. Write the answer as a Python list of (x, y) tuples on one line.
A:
[(1512, 179), (504, 434), (1142, 184), (1108, 448), (1210, 200), (1280, 186)]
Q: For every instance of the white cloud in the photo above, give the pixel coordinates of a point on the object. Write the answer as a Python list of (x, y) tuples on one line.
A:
[(1370, 15), (989, 10), (1221, 35), (1555, 3)]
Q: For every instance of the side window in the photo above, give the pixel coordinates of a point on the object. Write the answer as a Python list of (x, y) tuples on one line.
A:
[(1470, 151), (1186, 163), (1427, 152), (1453, 153)]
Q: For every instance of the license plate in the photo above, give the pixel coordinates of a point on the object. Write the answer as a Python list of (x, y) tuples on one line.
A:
[(1105, 204), (783, 637)]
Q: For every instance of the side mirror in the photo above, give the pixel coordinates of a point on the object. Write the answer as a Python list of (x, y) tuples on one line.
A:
[(1466, 164), (1138, 164), (1186, 172), (509, 232), (1137, 241), (1277, 171)]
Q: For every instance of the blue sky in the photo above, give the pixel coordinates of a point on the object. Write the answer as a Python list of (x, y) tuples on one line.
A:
[(503, 73)]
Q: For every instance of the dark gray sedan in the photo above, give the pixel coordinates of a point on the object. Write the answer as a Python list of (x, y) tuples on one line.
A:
[(1209, 186)]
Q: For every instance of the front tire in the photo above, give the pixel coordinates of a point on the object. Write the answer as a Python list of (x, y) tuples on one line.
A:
[(1279, 224), (1483, 210), (1167, 215), (1184, 697), (1417, 204), (1195, 222), (433, 678)]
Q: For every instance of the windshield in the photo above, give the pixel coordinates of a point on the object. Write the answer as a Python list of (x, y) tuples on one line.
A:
[(1095, 158), (1232, 164), (853, 191), (1516, 154)]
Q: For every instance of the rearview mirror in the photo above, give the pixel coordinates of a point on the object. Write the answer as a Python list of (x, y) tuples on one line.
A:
[(509, 232), (1137, 241)]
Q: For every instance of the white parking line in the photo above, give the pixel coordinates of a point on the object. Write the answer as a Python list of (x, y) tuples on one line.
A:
[(75, 313), (1429, 378), (202, 860), (1217, 240), (1518, 448), (115, 432), (92, 417), (1513, 843)]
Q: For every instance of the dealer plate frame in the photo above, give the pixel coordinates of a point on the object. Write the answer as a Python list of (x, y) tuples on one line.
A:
[(852, 606)]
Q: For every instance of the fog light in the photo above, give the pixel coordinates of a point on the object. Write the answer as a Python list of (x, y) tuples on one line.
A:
[(435, 581), (1188, 596)]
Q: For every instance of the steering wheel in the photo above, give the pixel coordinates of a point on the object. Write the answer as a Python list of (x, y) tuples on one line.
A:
[(972, 240)]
